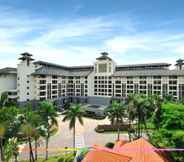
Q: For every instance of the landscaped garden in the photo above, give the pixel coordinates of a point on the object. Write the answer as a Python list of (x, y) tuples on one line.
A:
[(160, 121)]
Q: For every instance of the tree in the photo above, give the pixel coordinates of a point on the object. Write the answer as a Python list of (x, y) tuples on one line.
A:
[(131, 111), (4, 99), (140, 109), (72, 114), (170, 133), (11, 149), (157, 103), (31, 127), (115, 112), (49, 116), (28, 132), (9, 126), (2, 133), (35, 120)]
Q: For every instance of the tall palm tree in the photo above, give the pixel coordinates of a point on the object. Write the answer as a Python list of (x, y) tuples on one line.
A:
[(116, 112), (157, 103), (72, 114), (28, 132), (140, 108), (131, 111), (49, 116)]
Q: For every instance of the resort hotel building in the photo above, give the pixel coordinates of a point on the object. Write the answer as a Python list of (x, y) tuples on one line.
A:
[(97, 83)]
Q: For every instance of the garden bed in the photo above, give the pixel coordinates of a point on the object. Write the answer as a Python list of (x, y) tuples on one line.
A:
[(111, 128)]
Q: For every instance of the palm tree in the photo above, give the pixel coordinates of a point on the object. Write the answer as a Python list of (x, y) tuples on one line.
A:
[(115, 112), (157, 103), (140, 108), (33, 120), (9, 126), (49, 116), (131, 111), (72, 114), (2, 133), (28, 132)]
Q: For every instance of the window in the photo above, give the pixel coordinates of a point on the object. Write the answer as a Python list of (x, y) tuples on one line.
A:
[(54, 87), (110, 67), (54, 82), (42, 93), (54, 77), (102, 68), (117, 82), (42, 87), (42, 81)]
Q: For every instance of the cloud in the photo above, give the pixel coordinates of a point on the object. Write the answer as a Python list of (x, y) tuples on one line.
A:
[(146, 42), (180, 50), (123, 44), (77, 28), (80, 40)]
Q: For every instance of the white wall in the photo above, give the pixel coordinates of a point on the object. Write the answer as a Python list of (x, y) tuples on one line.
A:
[(91, 84), (8, 82), (24, 75)]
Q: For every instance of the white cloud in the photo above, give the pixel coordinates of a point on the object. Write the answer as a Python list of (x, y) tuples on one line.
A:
[(147, 42), (72, 29), (20, 31), (123, 44), (180, 49)]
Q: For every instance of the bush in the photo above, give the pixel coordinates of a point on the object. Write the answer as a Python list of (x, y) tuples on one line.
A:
[(171, 131), (94, 116), (172, 116), (109, 145), (109, 128), (67, 158)]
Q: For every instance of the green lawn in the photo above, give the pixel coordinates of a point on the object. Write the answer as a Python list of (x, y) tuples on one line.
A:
[(64, 158), (51, 159)]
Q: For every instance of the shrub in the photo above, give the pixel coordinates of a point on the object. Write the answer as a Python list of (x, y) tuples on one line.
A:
[(67, 158), (109, 128), (109, 145)]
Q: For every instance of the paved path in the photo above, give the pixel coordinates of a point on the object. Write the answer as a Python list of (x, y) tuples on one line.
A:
[(85, 135)]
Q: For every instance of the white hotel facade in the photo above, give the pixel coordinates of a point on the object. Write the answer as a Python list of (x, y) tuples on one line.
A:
[(39, 80)]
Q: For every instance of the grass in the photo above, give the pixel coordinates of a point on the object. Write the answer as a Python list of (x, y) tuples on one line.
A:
[(51, 159), (66, 157)]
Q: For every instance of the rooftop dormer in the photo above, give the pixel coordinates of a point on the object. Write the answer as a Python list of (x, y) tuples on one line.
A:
[(104, 65)]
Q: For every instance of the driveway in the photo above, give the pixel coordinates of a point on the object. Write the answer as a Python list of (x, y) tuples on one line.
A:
[(85, 136), (64, 137)]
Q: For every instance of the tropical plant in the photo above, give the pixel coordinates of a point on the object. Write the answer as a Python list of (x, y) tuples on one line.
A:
[(31, 127), (72, 114), (170, 133), (11, 149), (49, 116), (28, 132), (4, 99), (156, 103), (2, 133), (9, 126), (140, 109), (116, 112)]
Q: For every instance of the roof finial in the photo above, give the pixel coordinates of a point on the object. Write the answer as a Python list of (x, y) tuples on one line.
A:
[(104, 54), (26, 57)]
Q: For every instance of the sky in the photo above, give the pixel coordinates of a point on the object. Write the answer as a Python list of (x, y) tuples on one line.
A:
[(75, 32)]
